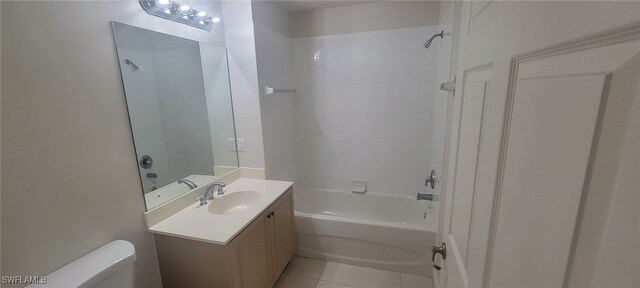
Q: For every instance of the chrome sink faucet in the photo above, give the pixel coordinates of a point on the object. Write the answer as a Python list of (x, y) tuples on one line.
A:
[(219, 186), (208, 193)]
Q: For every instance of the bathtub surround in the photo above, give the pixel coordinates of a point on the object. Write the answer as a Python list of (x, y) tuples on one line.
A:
[(289, 117), (365, 110), (441, 98)]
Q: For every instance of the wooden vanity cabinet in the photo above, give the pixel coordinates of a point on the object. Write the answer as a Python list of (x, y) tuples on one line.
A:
[(255, 258)]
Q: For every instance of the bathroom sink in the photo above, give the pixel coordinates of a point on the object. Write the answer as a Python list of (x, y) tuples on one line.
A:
[(234, 202)]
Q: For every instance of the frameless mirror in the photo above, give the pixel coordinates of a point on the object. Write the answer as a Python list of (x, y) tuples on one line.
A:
[(180, 109)]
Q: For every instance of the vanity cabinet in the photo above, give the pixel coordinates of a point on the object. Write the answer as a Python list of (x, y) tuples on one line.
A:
[(255, 258), (284, 235), (251, 255)]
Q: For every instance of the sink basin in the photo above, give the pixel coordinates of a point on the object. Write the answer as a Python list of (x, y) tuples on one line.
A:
[(234, 202)]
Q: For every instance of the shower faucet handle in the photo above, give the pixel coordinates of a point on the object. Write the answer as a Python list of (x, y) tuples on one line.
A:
[(431, 180)]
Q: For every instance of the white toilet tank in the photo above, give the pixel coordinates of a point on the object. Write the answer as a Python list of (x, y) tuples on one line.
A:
[(107, 266)]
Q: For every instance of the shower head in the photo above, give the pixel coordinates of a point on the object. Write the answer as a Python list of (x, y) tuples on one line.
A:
[(428, 43), (133, 65)]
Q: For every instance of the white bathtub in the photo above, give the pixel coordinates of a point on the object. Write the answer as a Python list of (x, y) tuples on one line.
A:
[(380, 231)]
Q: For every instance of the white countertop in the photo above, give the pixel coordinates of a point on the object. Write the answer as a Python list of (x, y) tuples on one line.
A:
[(196, 222)]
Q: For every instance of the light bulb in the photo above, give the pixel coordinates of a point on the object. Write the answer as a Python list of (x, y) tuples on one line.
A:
[(163, 3), (184, 8), (201, 13), (216, 19)]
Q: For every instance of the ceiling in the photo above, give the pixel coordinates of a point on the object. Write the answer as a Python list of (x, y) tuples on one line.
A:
[(305, 5)]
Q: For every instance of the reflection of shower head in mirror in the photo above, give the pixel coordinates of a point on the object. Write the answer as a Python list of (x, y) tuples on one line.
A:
[(441, 35), (133, 65)]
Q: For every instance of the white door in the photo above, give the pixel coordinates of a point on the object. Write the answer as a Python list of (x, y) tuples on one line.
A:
[(533, 83)]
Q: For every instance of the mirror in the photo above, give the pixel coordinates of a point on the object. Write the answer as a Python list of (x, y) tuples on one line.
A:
[(180, 109)]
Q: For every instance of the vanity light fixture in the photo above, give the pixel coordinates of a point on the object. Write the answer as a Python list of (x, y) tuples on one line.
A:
[(181, 13)]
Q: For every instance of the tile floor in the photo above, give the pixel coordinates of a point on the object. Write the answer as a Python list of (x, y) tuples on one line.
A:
[(313, 273)]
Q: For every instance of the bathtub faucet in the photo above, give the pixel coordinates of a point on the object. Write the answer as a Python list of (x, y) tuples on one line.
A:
[(192, 185), (428, 197)]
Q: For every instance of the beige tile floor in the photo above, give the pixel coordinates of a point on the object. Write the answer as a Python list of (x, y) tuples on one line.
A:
[(313, 273)]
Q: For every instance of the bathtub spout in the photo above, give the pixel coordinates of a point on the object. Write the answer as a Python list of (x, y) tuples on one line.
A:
[(428, 197)]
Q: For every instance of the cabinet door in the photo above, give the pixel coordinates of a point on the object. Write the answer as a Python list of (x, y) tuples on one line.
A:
[(284, 235), (188, 263), (253, 262)]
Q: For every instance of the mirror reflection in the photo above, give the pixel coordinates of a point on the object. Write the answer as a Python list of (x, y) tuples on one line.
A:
[(179, 103)]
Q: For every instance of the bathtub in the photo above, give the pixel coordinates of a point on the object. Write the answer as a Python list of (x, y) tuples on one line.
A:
[(380, 231)]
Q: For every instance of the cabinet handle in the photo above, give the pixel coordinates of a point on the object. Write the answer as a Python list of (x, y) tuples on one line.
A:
[(270, 215)]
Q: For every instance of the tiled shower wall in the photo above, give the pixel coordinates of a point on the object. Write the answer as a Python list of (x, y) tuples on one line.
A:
[(364, 110)]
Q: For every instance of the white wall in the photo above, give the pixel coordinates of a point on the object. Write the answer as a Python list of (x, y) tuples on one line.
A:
[(215, 73), (69, 179), (364, 17), (273, 51), (183, 108), (240, 42), (278, 110), (364, 109), (270, 15)]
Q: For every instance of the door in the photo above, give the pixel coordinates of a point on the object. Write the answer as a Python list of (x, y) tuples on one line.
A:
[(533, 83)]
